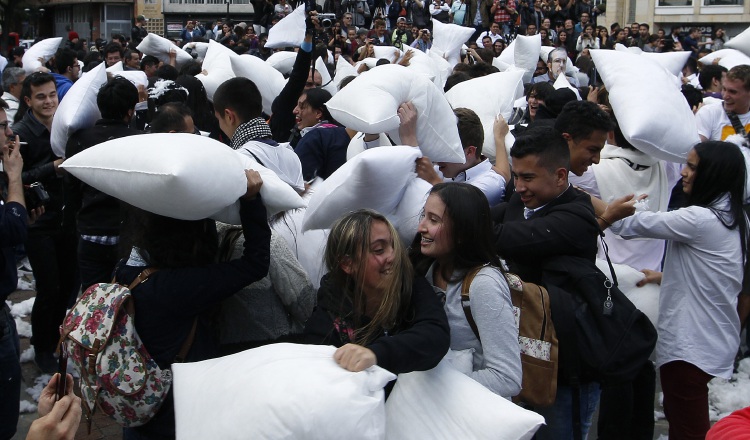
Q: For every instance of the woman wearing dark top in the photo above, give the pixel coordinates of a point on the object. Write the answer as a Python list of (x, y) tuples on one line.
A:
[(188, 282)]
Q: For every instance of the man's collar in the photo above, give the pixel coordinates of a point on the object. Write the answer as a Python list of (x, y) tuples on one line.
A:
[(472, 173), (253, 129), (35, 125)]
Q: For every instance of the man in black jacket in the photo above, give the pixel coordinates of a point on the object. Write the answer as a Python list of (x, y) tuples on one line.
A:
[(97, 214), (546, 218)]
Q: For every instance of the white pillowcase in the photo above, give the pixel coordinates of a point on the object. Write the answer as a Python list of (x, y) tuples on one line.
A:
[(562, 83), (160, 47), (390, 53), (116, 67), (343, 69), (200, 48), (741, 42), (441, 67), (653, 114), (78, 110), (727, 58), (137, 77), (325, 75), (217, 68), (357, 144), (177, 175), (374, 179), (43, 49), (270, 81), (289, 31), (279, 392), (488, 96), (282, 61), (672, 61), (448, 39), (370, 103), (406, 216), (525, 54), (443, 403)]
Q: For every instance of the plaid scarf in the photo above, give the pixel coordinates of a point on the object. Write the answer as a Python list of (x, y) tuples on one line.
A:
[(252, 129)]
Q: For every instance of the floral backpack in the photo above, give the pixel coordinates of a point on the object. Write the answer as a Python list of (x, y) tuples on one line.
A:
[(116, 370)]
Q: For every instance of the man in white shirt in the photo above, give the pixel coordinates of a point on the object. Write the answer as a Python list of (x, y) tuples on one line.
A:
[(12, 82), (493, 33)]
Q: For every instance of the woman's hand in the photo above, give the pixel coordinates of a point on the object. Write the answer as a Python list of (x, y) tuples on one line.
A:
[(355, 357), (254, 182), (652, 277), (58, 420)]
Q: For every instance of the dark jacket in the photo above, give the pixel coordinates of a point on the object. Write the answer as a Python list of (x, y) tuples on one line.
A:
[(282, 119), (13, 226), (96, 212), (565, 226), (167, 304), (322, 151), (38, 166), (417, 345)]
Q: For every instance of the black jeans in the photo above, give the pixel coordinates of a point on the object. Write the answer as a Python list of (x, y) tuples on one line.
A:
[(52, 255), (10, 373), (626, 410), (96, 262)]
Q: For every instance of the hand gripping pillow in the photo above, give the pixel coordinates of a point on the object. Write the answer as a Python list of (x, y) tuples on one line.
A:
[(289, 31), (43, 49), (269, 80), (279, 392), (653, 114), (390, 53), (645, 299), (277, 195), (370, 102), (448, 39), (422, 64), (160, 47), (672, 61), (374, 179), (741, 42), (488, 96), (443, 403), (78, 110), (176, 175), (727, 58), (282, 61), (217, 68), (357, 144), (343, 69), (525, 54)]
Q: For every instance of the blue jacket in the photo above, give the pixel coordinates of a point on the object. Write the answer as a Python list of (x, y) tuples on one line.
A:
[(63, 84)]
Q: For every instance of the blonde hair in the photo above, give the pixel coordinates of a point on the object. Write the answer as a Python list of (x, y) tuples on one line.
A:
[(349, 240)]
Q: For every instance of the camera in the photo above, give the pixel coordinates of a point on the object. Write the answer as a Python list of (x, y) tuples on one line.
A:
[(326, 20), (35, 195), (400, 32), (503, 4)]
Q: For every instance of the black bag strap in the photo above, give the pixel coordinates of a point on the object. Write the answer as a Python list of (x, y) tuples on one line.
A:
[(736, 124), (605, 248), (465, 300)]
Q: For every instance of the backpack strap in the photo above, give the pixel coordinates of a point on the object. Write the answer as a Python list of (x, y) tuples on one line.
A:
[(465, 304), (143, 276), (736, 124)]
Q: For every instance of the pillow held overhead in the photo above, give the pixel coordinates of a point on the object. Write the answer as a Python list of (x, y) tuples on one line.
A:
[(653, 114), (176, 175), (370, 103), (43, 49), (282, 61), (289, 31), (160, 47), (448, 39), (269, 80), (217, 68), (741, 42)]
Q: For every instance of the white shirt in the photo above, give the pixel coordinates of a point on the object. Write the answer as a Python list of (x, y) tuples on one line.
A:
[(703, 270), (486, 179), (494, 37), (13, 104), (280, 159)]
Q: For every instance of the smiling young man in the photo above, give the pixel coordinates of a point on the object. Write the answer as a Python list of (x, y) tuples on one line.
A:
[(585, 127)]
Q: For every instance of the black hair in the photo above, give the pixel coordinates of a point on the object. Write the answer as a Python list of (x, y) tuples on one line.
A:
[(116, 98), (482, 69), (346, 80), (92, 57), (112, 48), (197, 100), (65, 58), (547, 144), (710, 72), (455, 78), (316, 98), (693, 96), (148, 60), (35, 79), (192, 68), (468, 214), (170, 117), (470, 129), (543, 90), (167, 71), (581, 118), (91, 65), (240, 95), (721, 170)]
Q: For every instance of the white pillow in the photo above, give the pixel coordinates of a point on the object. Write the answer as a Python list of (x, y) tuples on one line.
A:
[(325, 75), (217, 68), (443, 403), (741, 42), (672, 61), (406, 216), (282, 61), (645, 299), (653, 114), (500, 64), (78, 110), (160, 47), (177, 175), (43, 49), (544, 53), (277, 195), (270, 81), (357, 144), (200, 48), (137, 77), (622, 48), (390, 53), (4, 63), (488, 96), (370, 104), (289, 31), (343, 69), (116, 67), (370, 62), (374, 179), (524, 54), (508, 54), (562, 83), (422, 64), (448, 39), (727, 58), (279, 392), (441, 67)]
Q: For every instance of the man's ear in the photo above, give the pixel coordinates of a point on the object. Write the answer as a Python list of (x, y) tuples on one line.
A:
[(561, 176), (471, 150), (346, 265)]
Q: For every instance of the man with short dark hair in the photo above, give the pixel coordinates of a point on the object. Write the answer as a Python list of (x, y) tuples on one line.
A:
[(12, 83), (138, 32), (173, 117), (112, 54), (557, 62), (585, 126), (97, 214), (132, 60), (710, 79), (68, 69)]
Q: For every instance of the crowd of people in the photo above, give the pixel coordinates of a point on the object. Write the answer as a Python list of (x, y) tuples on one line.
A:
[(571, 173)]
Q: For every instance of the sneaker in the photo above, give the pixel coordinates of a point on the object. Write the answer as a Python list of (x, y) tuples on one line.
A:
[(46, 362)]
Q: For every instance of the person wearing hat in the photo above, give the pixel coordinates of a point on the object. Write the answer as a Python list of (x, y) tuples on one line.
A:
[(401, 36), (138, 32), (72, 39), (423, 41)]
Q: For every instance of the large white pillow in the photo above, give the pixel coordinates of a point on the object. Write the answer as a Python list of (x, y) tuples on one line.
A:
[(727, 58), (525, 54), (405, 218), (289, 31), (270, 81), (279, 392), (282, 61), (488, 96), (390, 53), (137, 77), (43, 49), (78, 110), (448, 39), (370, 103), (645, 299), (507, 56), (501, 66), (343, 69), (441, 67), (357, 144), (325, 75), (116, 67), (562, 83), (200, 48), (444, 403), (277, 195), (672, 61), (544, 53), (160, 47), (653, 114), (374, 179), (177, 175), (217, 68), (421, 63), (741, 42)]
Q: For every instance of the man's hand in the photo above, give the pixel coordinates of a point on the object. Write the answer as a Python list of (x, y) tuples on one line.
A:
[(426, 171), (47, 398), (620, 208), (58, 420), (355, 357), (407, 129), (254, 182), (59, 171), (12, 160)]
